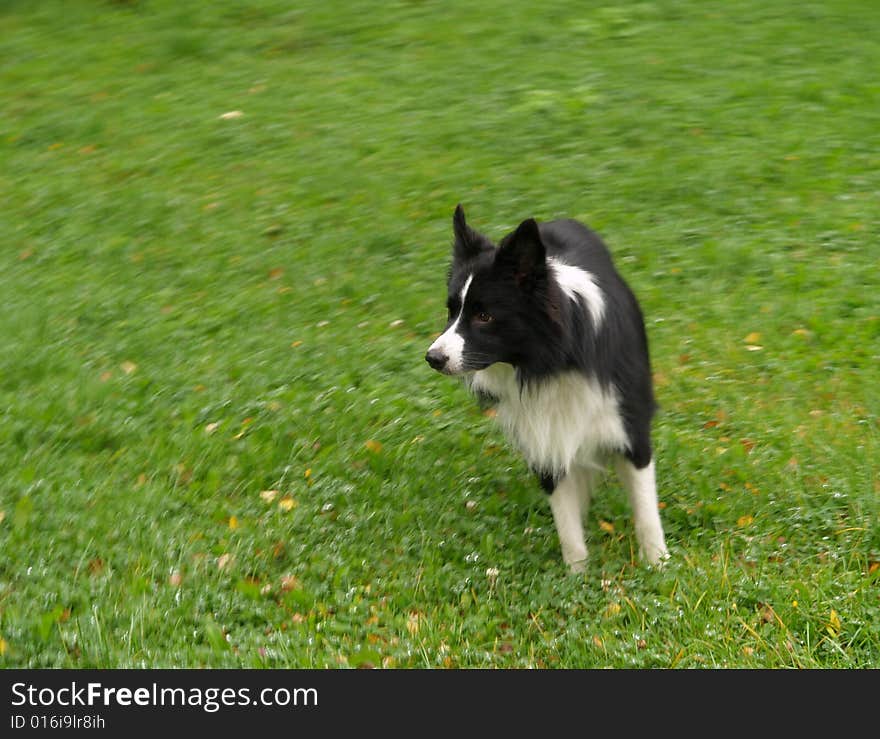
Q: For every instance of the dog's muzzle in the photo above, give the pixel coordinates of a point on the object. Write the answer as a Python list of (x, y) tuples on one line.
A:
[(436, 358)]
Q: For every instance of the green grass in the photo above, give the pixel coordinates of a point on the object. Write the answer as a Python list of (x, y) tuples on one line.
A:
[(197, 310)]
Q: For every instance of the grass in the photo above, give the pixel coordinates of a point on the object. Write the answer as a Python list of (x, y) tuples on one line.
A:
[(219, 443)]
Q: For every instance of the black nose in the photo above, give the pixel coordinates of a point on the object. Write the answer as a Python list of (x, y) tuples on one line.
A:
[(436, 358)]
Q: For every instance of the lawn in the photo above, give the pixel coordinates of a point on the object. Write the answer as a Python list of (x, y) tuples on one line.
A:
[(225, 233)]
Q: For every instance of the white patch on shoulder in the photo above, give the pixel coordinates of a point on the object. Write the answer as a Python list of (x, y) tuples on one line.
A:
[(450, 342), (556, 422), (576, 282)]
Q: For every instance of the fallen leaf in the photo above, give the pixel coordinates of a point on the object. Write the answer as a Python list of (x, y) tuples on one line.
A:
[(175, 579), (287, 503), (210, 428), (96, 566), (231, 114), (872, 567), (754, 348), (374, 446), (128, 367), (2, 516), (395, 324), (289, 582), (269, 495), (606, 526), (743, 521), (598, 642), (612, 610), (833, 626), (4, 646), (412, 623), (223, 561), (801, 332), (105, 376), (752, 338), (233, 522)]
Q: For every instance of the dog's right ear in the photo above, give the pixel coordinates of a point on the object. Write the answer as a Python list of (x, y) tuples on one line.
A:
[(468, 243)]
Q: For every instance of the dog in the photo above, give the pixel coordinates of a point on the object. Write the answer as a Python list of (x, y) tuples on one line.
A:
[(545, 329)]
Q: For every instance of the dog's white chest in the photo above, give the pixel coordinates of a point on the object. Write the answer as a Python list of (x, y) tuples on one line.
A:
[(565, 420)]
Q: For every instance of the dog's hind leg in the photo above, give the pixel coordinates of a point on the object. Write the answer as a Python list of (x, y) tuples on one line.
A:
[(641, 486), (568, 500)]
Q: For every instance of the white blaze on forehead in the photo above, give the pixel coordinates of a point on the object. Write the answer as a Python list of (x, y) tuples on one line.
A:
[(451, 343), (578, 283)]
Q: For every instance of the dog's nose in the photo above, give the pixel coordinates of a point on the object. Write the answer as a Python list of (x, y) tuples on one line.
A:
[(436, 358)]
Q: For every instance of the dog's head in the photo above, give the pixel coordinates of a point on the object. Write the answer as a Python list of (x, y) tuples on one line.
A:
[(497, 299)]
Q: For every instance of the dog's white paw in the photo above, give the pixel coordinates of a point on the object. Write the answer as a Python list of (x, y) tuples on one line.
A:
[(656, 556), (578, 567)]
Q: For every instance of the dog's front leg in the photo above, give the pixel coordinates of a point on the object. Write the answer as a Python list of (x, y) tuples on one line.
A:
[(568, 501), (641, 486)]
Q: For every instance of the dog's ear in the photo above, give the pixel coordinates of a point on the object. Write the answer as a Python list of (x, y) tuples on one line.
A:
[(523, 253), (468, 243)]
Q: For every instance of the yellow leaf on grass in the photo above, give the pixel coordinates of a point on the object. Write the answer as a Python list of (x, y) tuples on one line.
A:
[(223, 561), (833, 627), (374, 446), (606, 526), (128, 367), (269, 495), (612, 610), (4, 645), (412, 623), (287, 503), (745, 520), (233, 522), (752, 338)]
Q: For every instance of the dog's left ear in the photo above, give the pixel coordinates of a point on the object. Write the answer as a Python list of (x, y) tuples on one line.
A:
[(468, 243), (524, 254)]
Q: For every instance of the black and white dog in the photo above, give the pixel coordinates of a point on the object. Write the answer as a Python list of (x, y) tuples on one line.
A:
[(545, 328)]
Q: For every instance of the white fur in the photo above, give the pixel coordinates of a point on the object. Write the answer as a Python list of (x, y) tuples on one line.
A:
[(576, 282), (451, 343), (641, 486), (558, 422), (569, 503)]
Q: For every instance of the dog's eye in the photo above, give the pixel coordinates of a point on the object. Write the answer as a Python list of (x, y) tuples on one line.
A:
[(483, 317)]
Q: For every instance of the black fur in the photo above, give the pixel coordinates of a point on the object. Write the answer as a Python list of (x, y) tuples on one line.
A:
[(536, 328)]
